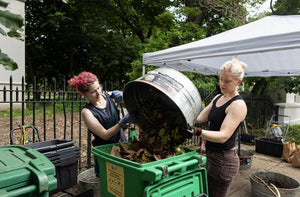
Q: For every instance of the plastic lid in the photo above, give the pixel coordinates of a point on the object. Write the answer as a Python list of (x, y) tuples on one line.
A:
[(20, 164), (192, 183)]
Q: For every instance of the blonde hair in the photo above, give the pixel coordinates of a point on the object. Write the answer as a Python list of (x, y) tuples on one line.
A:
[(236, 67)]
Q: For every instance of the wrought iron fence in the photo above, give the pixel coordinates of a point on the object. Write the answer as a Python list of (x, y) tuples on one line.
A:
[(56, 113)]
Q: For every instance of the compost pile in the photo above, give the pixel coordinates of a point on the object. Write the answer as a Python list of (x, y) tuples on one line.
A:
[(163, 130), (145, 150)]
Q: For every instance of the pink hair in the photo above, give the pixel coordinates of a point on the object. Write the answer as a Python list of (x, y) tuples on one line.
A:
[(82, 82)]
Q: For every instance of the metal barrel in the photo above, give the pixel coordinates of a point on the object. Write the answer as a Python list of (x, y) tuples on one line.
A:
[(163, 93)]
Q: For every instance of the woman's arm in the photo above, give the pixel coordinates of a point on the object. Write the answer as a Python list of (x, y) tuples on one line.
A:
[(94, 125)]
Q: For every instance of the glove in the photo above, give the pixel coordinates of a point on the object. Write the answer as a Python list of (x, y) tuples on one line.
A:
[(126, 119), (193, 131), (197, 131), (117, 96)]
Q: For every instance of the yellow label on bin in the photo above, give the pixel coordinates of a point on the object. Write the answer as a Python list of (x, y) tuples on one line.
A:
[(115, 179)]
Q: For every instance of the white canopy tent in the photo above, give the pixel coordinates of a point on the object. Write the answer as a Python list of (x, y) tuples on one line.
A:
[(269, 46)]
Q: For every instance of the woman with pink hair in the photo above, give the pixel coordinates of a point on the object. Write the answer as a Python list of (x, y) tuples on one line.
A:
[(100, 114)]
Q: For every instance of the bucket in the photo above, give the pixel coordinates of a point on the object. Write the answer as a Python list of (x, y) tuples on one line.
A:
[(245, 159), (88, 180), (287, 186), (163, 96)]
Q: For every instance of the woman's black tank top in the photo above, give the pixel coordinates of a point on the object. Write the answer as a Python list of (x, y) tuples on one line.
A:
[(216, 118), (108, 117)]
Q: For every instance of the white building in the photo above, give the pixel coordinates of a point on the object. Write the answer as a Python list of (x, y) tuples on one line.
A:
[(291, 108), (288, 104), (15, 49)]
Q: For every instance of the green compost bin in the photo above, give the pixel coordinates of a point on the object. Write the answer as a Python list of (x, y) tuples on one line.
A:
[(25, 172), (191, 183), (124, 178)]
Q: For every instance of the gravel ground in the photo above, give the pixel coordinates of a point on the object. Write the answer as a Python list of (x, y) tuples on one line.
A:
[(241, 185)]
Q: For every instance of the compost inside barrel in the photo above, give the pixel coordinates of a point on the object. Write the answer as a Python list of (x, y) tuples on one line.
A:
[(157, 115), (165, 104)]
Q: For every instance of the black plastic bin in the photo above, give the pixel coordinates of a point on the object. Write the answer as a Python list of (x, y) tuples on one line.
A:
[(64, 155), (51, 145), (66, 176), (270, 147)]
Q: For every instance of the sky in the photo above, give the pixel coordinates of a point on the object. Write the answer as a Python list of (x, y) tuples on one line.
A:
[(266, 6), (263, 8)]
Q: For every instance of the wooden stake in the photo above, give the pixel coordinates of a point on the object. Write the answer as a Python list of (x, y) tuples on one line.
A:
[(268, 187)]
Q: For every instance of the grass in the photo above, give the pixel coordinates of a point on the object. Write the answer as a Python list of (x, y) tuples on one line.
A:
[(294, 134), (39, 109)]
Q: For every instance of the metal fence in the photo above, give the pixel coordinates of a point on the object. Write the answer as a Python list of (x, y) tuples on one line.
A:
[(56, 113)]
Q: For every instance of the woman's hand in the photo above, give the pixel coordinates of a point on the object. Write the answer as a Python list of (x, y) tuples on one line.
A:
[(117, 96)]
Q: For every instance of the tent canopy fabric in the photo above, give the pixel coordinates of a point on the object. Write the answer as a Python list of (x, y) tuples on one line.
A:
[(269, 46)]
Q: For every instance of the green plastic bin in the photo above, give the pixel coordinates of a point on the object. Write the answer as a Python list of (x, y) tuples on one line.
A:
[(25, 172), (192, 183), (123, 178)]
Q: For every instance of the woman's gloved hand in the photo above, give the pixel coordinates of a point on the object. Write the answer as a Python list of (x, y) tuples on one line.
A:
[(193, 131), (117, 96), (128, 118), (197, 131)]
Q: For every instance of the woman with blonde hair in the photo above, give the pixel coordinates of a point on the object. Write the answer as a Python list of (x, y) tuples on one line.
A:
[(224, 113)]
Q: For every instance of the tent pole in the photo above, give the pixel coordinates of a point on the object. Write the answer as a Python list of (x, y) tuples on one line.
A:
[(144, 69)]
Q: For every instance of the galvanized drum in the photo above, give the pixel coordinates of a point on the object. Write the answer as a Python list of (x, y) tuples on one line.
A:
[(163, 98)]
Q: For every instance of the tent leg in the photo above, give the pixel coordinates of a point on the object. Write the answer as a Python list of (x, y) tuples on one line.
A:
[(144, 70)]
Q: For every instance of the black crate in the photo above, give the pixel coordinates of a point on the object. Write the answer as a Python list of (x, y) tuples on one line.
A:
[(66, 177), (64, 155), (268, 147), (65, 161), (50, 145)]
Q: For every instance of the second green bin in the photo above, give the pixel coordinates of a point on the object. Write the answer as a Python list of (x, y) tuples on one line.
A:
[(121, 178), (25, 172)]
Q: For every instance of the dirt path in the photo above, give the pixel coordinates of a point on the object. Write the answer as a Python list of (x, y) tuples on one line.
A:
[(69, 132)]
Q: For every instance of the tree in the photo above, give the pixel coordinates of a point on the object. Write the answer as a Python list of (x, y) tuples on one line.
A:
[(259, 85), (109, 37), (99, 36), (13, 24), (286, 7), (55, 46), (191, 21)]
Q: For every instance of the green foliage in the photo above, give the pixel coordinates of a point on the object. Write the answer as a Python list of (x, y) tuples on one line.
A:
[(53, 40), (14, 24), (287, 7), (294, 134), (206, 85), (39, 109), (260, 85), (7, 62), (110, 37), (10, 20), (290, 84)]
